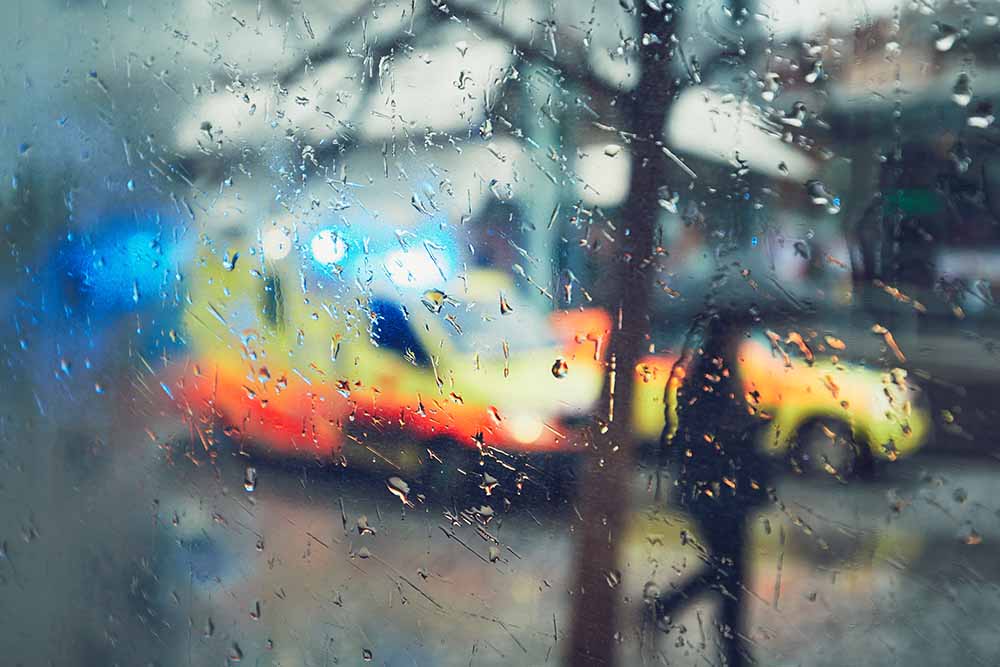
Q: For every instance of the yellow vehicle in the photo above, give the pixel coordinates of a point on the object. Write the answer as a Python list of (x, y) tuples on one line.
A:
[(299, 350)]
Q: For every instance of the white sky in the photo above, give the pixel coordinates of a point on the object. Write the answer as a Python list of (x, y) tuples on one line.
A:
[(806, 17)]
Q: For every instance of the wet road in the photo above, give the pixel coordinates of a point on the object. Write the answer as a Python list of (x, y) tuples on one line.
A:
[(183, 566)]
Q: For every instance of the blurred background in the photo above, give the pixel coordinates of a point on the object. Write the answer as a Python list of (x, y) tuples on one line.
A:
[(430, 332)]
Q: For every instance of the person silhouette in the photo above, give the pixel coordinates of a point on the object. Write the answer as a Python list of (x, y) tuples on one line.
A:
[(721, 479)]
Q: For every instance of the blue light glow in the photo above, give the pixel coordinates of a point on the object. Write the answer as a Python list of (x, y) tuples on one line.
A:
[(328, 247), (117, 267), (416, 268)]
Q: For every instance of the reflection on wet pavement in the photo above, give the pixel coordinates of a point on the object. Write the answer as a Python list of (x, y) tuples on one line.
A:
[(316, 565)]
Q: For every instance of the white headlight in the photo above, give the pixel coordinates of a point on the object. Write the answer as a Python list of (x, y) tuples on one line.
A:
[(525, 428), (276, 244), (328, 247)]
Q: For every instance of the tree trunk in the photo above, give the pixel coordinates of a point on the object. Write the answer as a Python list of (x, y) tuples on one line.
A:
[(603, 499)]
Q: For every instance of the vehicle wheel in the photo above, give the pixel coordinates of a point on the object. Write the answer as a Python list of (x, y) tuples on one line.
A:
[(826, 447)]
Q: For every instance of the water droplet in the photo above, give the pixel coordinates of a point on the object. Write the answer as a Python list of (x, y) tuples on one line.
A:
[(796, 116), (959, 155), (949, 36), (612, 150), (835, 343), (982, 117), (229, 261), (961, 94), (649, 38), (434, 300), (421, 205), (363, 527), (971, 536), (250, 479), (489, 483), (505, 307), (236, 653), (344, 388), (367, 655), (560, 368), (772, 86), (668, 201), (400, 489), (816, 73), (822, 197), (486, 129), (613, 577)]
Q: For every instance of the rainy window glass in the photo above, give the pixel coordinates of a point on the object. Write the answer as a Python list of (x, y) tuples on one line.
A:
[(391, 330), (499, 332)]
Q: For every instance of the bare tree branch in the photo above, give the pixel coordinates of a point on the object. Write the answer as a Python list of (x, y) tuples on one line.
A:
[(579, 73), (334, 47)]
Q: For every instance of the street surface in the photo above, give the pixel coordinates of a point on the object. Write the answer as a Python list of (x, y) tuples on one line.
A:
[(317, 567)]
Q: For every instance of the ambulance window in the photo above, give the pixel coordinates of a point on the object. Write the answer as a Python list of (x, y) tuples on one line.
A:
[(272, 301), (391, 329)]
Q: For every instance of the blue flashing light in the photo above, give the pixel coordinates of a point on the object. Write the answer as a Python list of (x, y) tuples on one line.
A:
[(115, 268)]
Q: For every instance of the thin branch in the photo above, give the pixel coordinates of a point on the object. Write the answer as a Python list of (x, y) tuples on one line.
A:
[(334, 48), (581, 74), (331, 49), (346, 142)]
